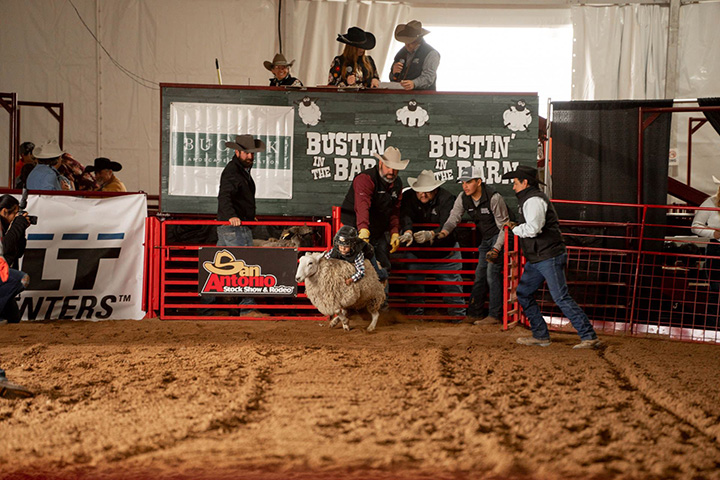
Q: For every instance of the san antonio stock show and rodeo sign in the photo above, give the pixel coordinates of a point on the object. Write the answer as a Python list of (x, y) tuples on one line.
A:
[(318, 140)]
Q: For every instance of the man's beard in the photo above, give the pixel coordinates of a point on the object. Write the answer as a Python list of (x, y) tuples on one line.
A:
[(386, 180)]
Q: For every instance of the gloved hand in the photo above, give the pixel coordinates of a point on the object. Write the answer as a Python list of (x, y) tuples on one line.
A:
[(394, 242), (510, 224), (407, 238), (424, 236), (364, 234), (492, 255), (4, 270)]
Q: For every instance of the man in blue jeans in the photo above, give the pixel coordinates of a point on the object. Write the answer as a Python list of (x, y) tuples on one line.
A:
[(236, 199), (542, 244), (488, 210)]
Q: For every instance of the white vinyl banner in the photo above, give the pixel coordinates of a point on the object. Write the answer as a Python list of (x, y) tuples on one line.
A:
[(198, 132), (85, 258)]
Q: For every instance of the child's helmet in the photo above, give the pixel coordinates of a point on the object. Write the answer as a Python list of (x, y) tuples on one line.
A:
[(347, 236)]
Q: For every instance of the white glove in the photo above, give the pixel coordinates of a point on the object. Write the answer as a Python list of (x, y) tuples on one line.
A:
[(406, 238), (424, 236)]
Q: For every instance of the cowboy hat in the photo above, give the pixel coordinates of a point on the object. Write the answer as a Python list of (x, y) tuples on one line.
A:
[(523, 172), (246, 143), (409, 32), (469, 173), (425, 182), (102, 163), (716, 180), (49, 149), (278, 59), (357, 37), (391, 159)]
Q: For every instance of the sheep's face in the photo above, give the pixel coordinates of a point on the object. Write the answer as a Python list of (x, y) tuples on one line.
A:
[(307, 267)]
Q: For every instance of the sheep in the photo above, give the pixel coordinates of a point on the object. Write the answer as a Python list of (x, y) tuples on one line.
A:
[(412, 115), (297, 236), (309, 112), (517, 117), (326, 289)]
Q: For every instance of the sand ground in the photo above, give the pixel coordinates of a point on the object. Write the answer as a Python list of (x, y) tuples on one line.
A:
[(273, 400)]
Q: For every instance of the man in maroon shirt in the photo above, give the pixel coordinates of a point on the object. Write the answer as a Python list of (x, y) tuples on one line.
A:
[(372, 205)]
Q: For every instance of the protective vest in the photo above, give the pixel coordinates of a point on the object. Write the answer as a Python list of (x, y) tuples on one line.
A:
[(549, 242), (482, 214), (413, 69), (384, 197)]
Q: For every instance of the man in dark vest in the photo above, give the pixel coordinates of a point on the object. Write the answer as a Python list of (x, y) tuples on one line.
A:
[(372, 205), (428, 202), (415, 65), (542, 244), (488, 210)]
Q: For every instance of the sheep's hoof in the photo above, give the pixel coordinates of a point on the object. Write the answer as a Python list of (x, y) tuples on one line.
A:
[(334, 322), (371, 328), (346, 327)]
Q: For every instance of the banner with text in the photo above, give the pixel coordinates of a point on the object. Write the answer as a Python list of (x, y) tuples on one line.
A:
[(85, 258), (198, 155)]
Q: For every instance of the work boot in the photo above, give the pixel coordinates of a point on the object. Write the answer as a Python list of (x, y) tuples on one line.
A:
[(532, 341), (489, 320), (594, 343), (11, 390), (471, 319)]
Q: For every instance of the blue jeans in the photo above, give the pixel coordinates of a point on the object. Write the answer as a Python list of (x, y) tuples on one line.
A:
[(488, 280), (551, 271), (442, 277), (8, 291)]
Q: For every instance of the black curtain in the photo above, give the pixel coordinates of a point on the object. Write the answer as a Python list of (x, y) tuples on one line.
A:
[(594, 158), (713, 117)]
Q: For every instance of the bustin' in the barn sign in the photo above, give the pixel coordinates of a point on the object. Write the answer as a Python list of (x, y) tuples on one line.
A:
[(318, 140)]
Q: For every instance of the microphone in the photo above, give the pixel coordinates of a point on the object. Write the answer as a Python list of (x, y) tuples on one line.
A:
[(396, 76)]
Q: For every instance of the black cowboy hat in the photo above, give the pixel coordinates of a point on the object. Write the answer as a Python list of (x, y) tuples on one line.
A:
[(102, 163), (246, 143), (357, 37), (523, 172)]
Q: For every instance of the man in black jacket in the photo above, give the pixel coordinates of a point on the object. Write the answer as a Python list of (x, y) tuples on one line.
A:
[(428, 202), (415, 65), (543, 247)]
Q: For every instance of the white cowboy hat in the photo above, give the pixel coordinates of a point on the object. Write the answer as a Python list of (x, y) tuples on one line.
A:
[(425, 182), (716, 180), (391, 159), (49, 149)]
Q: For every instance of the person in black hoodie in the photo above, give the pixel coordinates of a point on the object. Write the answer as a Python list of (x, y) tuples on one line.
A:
[(428, 202), (14, 225), (543, 247)]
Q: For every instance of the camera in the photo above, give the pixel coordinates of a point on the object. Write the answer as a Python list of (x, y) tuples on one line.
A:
[(23, 205)]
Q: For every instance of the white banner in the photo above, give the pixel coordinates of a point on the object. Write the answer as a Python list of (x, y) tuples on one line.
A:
[(85, 258), (198, 132)]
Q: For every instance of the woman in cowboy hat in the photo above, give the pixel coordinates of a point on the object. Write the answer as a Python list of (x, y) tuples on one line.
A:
[(706, 224), (353, 67), (415, 65), (281, 69)]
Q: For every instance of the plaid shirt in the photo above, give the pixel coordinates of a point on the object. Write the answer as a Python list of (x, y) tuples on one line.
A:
[(359, 264)]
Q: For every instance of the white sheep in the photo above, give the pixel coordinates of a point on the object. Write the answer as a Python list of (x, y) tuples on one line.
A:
[(326, 289), (309, 111), (412, 115), (517, 117)]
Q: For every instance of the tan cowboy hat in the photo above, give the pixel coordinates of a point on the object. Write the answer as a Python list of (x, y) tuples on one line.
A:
[(246, 143), (391, 159), (716, 180), (409, 32), (425, 182), (278, 59), (49, 149)]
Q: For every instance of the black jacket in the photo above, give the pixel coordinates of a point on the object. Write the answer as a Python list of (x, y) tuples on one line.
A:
[(236, 197), (437, 211), (13, 239), (549, 243)]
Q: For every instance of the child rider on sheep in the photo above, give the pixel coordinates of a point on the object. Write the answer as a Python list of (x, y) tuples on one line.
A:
[(347, 246)]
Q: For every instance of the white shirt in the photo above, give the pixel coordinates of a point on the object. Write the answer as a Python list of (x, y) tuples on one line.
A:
[(706, 218), (533, 210)]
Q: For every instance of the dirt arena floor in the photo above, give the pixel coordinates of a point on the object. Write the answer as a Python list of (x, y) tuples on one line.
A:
[(295, 400)]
